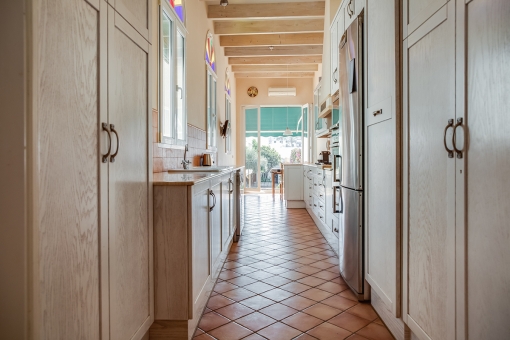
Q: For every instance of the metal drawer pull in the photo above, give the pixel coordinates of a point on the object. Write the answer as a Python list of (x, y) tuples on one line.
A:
[(378, 112), (105, 128), (449, 151), (459, 152), (335, 230), (314, 205), (112, 157), (214, 202)]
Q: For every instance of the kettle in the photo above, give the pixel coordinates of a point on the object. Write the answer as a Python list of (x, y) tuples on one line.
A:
[(206, 159)]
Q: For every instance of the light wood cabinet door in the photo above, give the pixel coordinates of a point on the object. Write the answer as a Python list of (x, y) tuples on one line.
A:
[(201, 258), (334, 56), (225, 212), (130, 235), (416, 12), (67, 165), (429, 185), (487, 160), (382, 120), (137, 13), (215, 224)]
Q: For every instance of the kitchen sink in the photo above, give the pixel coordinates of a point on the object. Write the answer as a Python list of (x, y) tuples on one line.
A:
[(202, 169)]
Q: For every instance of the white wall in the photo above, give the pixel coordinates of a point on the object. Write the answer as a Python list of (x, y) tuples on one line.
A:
[(197, 26), (304, 95)]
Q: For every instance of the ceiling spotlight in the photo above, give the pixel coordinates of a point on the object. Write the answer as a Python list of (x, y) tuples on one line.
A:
[(223, 3)]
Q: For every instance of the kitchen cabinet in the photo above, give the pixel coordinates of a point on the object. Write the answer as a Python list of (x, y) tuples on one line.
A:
[(307, 187), (227, 190), (89, 199), (137, 13), (382, 162), (192, 240), (455, 230), (130, 237), (316, 201), (353, 8), (337, 29), (319, 123), (331, 215), (292, 185), (429, 104), (418, 12), (334, 54), (215, 223)]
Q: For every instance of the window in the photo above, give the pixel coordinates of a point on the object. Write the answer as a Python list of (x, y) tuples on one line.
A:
[(228, 117), (228, 113), (172, 106), (212, 121)]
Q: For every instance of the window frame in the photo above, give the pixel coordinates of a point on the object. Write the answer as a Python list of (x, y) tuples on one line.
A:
[(211, 109), (228, 116), (177, 30)]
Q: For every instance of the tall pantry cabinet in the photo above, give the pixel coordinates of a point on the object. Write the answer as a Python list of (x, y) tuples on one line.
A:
[(89, 169), (456, 192)]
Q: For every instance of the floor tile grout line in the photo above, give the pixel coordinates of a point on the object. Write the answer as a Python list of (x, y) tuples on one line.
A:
[(297, 250)]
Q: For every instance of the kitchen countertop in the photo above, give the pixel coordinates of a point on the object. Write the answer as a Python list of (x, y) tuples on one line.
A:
[(186, 178), (319, 166)]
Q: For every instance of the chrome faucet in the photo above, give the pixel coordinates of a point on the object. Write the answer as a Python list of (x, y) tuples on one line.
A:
[(185, 163)]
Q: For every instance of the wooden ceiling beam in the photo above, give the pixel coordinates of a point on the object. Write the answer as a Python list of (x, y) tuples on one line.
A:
[(268, 26), (273, 50), (277, 60), (267, 10), (275, 75), (275, 68), (272, 39)]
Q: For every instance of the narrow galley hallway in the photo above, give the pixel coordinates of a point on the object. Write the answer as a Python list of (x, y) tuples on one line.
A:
[(281, 281)]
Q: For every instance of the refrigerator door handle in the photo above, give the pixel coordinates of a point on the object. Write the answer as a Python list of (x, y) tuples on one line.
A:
[(341, 211)]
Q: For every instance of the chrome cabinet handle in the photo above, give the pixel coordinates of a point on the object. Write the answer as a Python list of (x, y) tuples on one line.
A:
[(350, 11), (231, 185), (214, 202), (105, 128), (378, 112), (335, 230), (112, 157), (334, 77), (459, 152), (314, 205), (449, 151)]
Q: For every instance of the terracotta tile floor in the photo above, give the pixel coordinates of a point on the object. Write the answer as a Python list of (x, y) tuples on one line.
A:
[(281, 281)]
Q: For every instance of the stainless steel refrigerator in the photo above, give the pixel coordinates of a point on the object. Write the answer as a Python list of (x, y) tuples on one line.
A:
[(351, 156)]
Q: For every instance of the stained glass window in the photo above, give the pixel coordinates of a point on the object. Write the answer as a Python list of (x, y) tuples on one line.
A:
[(227, 83), (210, 57), (178, 6)]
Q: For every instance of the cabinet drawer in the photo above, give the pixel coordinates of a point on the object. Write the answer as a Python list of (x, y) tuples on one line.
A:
[(379, 112)]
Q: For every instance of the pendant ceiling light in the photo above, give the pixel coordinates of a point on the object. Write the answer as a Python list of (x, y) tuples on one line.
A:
[(287, 131), (223, 3)]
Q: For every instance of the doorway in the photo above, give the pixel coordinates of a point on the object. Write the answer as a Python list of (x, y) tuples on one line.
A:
[(273, 135)]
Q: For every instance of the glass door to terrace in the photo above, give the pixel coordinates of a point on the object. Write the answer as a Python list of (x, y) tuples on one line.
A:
[(273, 135)]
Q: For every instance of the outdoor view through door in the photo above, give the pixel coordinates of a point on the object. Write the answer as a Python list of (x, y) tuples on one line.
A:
[(267, 146)]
